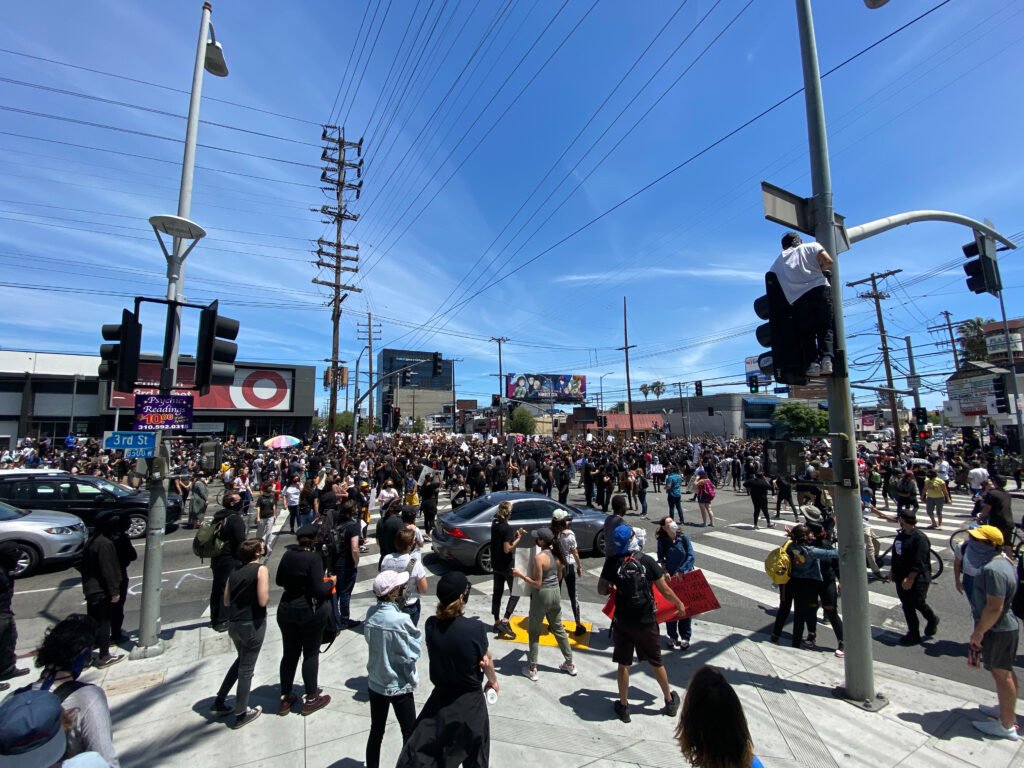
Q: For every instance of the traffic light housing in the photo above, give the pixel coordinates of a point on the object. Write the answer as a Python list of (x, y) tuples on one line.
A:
[(920, 417), (1001, 396), (982, 268), (698, 388), (753, 383), (495, 401), (215, 349), (789, 357), (405, 378), (435, 365), (120, 361)]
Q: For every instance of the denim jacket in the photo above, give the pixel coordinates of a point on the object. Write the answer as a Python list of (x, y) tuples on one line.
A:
[(676, 555), (806, 560), (394, 646)]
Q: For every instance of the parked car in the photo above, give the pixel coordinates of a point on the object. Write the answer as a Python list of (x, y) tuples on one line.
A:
[(41, 536), (463, 535), (84, 496)]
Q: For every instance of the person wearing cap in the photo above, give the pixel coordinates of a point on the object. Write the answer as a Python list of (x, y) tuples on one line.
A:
[(65, 652), (32, 730), (996, 634), (546, 568), (393, 643), (560, 522), (101, 584), (636, 626), (910, 569), (302, 615), (453, 728)]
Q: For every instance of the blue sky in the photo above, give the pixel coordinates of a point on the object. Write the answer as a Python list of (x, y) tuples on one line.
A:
[(456, 245)]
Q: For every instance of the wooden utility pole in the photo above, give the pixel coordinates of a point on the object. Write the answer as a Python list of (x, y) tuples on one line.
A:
[(501, 386), (626, 346), (331, 254), (877, 295), (952, 338)]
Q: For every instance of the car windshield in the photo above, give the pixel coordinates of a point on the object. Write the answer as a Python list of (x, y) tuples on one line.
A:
[(470, 510), (7, 512), (115, 488)]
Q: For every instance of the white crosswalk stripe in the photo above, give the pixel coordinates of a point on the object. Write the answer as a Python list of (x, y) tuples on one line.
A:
[(939, 539)]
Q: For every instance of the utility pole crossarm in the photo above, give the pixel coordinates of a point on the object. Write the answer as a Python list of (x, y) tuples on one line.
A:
[(877, 227)]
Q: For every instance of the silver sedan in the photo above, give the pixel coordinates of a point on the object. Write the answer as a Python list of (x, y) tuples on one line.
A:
[(464, 534), (41, 536)]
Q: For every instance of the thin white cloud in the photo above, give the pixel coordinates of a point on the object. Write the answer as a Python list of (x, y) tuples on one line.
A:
[(639, 273)]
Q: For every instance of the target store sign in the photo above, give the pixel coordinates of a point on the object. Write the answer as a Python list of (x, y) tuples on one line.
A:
[(254, 389)]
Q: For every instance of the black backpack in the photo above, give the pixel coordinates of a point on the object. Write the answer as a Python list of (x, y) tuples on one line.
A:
[(633, 597)]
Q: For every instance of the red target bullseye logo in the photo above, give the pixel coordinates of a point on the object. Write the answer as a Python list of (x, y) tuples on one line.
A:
[(269, 379)]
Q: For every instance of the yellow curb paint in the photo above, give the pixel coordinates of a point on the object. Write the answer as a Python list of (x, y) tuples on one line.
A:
[(520, 624)]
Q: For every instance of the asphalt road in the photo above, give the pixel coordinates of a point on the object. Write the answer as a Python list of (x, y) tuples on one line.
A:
[(731, 555)]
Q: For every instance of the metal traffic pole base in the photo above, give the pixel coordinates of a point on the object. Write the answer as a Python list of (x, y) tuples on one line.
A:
[(876, 704), (150, 643)]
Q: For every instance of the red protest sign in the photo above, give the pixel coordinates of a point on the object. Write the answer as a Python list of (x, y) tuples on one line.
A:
[(663, 609), (694, 591)]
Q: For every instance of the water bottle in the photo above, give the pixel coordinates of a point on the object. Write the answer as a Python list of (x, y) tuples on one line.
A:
[(491, 695)]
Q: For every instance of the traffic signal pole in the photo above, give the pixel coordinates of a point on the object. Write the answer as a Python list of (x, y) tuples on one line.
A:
[(858, 663)]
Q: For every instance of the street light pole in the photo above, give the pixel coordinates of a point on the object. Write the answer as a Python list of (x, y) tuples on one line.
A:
[(858, 662), (208, 56), (600, 416)]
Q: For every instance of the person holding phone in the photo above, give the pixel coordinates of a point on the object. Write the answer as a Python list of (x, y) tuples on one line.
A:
[(503, 545)]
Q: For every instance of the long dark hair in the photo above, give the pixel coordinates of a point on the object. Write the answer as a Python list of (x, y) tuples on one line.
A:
[(712, 730)]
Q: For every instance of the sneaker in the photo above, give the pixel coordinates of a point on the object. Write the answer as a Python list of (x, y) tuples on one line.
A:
[(580, 630), (684, 645), (671, 706), (809, 645), (774, 639), (108, 661), (622, 711), (287, 703), (813, 370), (565, 666), (530, 672), (309, 706), (15, 672), (931, 627), (506, 629), (995, 728), (247, 717), (219, 708), (908, 640), (675, 645), (840, 652), (990, 710), (826, 366)]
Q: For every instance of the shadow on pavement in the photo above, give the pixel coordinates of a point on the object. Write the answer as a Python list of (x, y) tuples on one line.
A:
[(347, 762), (594, 706), (358, 686)]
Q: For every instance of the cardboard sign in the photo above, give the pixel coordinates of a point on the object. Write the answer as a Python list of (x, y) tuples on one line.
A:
[(691, 588)]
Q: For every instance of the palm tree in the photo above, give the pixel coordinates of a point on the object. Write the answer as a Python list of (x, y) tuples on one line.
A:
[(645, 390), (658, 388), (972, 339)]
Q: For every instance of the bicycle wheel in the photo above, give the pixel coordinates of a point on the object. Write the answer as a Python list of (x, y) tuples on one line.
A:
[(958, 539), (937, 565)]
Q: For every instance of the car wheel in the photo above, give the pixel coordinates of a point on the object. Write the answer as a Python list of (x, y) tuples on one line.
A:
[(27, 560), (599, 544), (137, 525), (483, 559)]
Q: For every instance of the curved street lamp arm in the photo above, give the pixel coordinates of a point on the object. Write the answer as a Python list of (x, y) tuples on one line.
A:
[(872, 228)]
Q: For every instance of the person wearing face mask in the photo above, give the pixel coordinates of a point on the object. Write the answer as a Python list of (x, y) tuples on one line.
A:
[(675, 555), (805, 582), (223, 564), (393, 644), (453, 728), (64, 654)]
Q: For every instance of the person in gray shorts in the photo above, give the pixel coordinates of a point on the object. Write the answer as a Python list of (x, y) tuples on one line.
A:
[(996, 633)]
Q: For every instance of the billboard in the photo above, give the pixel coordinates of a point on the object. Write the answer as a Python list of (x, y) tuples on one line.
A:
[(254, 389), (584, 415), (546, 387)]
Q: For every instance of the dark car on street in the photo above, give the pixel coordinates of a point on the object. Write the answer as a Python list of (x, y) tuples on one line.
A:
[(84, 496), (463, 535)]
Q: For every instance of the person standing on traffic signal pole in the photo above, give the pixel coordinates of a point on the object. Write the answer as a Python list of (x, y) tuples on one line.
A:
[(800, 269)]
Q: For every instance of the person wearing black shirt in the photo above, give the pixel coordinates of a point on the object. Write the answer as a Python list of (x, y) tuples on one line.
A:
[(636, 626), (9, 552), (759, 489), (126, 555), (346, 562), (302, 615), (231, 534), (561, 479), (996, 509), (453, 728), (503, 546), (388, 527), (428, 503), (784, 493), (911, 571), (101, 584)]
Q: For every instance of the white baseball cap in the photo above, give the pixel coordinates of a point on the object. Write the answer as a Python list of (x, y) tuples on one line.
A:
[(386, 581)]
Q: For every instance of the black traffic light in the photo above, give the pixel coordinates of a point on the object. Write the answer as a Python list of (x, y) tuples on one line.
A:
[(435, 365), (698, 388), (923, 434), (1001, 396), (495, 401), (920, 416), (405, 378), (982, 269), (790, 347), (216, 349), (120, 361), (753, 383)]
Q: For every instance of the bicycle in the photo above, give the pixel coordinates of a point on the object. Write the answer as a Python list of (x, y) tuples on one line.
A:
[(960, 537), (884, 559)]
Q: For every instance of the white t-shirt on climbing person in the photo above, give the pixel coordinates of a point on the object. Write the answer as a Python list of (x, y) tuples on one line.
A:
[(798, 270)]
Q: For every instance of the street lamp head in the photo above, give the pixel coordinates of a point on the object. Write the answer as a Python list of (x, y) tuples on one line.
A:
[(215, 63), (177, 226), (875, 3)]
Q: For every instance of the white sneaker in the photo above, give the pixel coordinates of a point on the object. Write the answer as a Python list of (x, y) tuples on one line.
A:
[(826, 366), (995, 728), (813, 369), (568, 666), (990, 710), (530, 672)]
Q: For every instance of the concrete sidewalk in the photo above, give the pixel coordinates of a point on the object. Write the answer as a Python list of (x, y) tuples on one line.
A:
[(160, 708)]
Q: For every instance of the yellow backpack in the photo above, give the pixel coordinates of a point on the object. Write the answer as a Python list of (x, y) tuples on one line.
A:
[(778, 565)]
